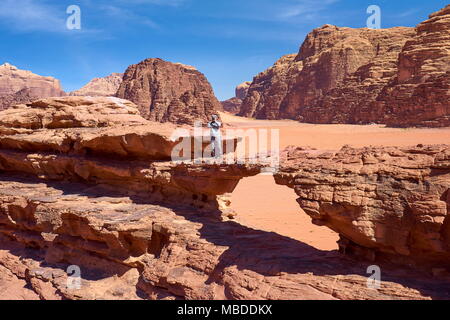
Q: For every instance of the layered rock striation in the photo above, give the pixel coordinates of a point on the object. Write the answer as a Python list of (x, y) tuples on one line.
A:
[(104, 140), (86, 182), (384, 202), (127, 248), (20, 86)]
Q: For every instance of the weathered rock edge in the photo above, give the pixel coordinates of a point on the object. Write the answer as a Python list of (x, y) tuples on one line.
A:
[(383, 201)]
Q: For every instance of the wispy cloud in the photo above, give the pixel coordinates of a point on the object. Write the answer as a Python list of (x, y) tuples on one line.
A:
[(304, 8), (125, 15), (29, 15), (295, 11)]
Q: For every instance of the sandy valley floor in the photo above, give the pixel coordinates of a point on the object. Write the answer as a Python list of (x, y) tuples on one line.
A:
[(261, 204)]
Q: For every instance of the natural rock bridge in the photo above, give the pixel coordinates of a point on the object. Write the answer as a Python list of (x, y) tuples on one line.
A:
[(87, 181)]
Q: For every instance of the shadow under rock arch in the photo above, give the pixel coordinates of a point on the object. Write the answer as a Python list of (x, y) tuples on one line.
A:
[(268, 253)]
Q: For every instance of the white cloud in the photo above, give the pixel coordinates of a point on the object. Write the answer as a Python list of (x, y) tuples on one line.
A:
[(284, 11), (29, 15)]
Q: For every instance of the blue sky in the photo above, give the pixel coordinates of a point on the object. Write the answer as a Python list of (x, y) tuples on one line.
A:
[(230, 41)]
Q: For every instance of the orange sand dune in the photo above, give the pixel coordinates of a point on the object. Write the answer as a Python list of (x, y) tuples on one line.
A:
[(263, 205)]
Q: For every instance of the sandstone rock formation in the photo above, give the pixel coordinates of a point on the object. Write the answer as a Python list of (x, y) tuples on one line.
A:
[(69, 138), (105, 87), (242, 90), (85, 181), (169, 92), (19, 86), (233, 105), (384, 202), (397, 76)]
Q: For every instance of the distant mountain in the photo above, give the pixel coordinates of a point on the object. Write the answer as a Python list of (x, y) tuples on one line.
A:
[(106, 86), (233, 105), (20, 86)]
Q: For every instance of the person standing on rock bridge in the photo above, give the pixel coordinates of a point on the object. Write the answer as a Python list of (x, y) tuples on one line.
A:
[(216, 136)]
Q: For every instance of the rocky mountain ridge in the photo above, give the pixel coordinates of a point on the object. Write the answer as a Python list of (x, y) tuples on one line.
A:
[(396, 76)]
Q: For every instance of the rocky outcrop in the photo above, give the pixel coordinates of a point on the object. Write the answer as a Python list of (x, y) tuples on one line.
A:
[(242, 90), (269, 89), (169, 92), (129, 249), (103, 87), (384, 202), (328, 57), (397, 76), (86, 183), (21, 96), (354, 97), (20, 86), (233, 105), (104, 140)]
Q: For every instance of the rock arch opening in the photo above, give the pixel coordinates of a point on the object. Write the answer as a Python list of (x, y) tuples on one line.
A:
[(262, 204)]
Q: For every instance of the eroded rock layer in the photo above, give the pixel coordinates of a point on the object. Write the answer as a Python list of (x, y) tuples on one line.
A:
[(420, 94), (104, 140), (391, 201), (169, 92), (129, 249)]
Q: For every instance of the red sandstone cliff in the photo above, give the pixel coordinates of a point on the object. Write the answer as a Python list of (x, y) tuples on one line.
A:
[(398, 76), (87, 181), (169, 92), (233, 105)]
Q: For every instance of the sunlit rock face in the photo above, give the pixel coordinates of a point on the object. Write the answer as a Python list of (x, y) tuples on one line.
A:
[(169, 92), (383, 201), (397, 76), (19, 86)]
